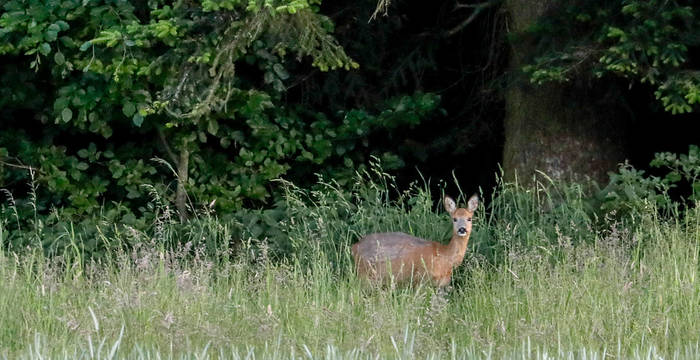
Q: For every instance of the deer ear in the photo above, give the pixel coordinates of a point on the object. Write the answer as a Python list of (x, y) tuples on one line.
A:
[(450, 205), (473, 203)]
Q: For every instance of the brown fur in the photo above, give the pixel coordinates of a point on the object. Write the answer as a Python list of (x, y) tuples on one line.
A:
[(401, 257)]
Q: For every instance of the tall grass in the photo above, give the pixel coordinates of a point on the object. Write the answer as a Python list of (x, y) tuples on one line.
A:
[(544, 278)]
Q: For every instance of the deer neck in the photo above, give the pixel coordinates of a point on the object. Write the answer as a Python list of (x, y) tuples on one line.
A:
[(458, 247)]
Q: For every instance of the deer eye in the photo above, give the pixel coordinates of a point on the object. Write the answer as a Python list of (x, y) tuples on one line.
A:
[(469, 219), (454, 219)]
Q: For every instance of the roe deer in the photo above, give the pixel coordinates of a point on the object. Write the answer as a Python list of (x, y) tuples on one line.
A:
[(403, 257)]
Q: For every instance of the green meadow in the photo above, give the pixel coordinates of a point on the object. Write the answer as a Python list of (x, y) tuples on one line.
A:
[(544, 278)]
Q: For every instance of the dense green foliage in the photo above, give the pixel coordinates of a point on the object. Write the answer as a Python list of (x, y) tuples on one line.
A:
[(94, 91), (646, 41), (542, 278), (675, 186)]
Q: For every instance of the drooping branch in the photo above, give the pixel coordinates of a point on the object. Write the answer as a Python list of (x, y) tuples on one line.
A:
[(204, 87), (382, 7)]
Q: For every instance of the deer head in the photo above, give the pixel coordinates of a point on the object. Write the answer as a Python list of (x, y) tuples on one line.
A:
[(461, 217)]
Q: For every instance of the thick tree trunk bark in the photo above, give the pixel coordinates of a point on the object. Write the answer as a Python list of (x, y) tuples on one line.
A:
[(563, 130)]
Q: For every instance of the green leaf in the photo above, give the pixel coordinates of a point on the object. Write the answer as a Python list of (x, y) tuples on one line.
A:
[(280, 71), (133, 192), (59, 58), (51, 36), (52, 32), (106, 131), (138, 120), (45, 49), (85, 45), (696, 190), (213, 127), (673, 177), (129, 109), (62, 25), (66, 114)]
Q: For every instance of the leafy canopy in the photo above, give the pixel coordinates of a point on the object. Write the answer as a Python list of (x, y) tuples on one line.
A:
[(649, 41)]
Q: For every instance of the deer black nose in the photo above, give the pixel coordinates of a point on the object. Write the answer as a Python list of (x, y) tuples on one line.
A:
[(462, 230)]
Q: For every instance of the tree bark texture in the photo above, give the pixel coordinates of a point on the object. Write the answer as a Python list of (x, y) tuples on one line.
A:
[(564, 130)]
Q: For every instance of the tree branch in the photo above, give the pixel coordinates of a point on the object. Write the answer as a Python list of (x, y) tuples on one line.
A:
[(382, 7), (478, 8), (168, 151), (20, 166)]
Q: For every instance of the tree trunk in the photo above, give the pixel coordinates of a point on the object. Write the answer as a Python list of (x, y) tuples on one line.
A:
[(564, 130)]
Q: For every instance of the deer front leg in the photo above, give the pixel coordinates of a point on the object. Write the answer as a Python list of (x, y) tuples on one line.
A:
[(443, 279)]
